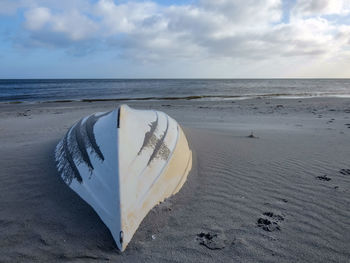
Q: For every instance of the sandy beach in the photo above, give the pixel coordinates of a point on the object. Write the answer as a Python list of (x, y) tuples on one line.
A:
[(280, 195)]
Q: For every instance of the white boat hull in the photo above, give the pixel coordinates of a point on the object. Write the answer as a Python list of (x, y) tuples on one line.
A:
[(123, 163)]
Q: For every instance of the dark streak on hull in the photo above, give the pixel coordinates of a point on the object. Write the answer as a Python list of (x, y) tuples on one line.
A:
[(74, 147), (160, 150), (160, 147), (69, 175), (81, 145), (149, 136), (89, 126)]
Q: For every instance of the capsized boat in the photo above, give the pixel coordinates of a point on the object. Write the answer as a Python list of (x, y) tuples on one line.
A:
[(123, 163)]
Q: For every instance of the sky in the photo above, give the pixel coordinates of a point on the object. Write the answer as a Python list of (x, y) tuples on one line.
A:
[(175, 39)]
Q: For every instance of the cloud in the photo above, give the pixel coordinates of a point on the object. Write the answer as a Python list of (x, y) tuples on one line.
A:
[(124, 18), (321, 7), (207, 30), (37, 18), (246, 12), (74, 25)]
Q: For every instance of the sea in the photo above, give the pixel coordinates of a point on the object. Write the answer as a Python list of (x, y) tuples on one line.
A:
[(41, 90)]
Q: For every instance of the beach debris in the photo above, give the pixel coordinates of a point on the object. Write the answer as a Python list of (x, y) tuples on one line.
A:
[(213, 241), (252, 136), (270, 221), (347, 125), (25, 113), (345, 171), (323, 178)]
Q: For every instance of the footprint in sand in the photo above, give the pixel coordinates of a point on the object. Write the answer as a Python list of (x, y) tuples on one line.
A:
[(270, 222), (323, 178), (211, 240), (345, 171)]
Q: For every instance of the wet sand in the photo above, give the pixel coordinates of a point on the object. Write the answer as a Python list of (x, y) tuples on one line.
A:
[(281, 195)]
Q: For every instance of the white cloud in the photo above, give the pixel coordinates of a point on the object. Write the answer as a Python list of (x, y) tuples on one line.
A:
[(75, 25), (36, 18), (321, 7), (124, 18), (246, 12), (232, 32)]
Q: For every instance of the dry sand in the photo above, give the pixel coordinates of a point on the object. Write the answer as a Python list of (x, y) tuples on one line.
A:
[(283, 196)]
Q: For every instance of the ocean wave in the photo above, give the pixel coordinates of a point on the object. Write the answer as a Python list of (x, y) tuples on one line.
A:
[(209, 97)]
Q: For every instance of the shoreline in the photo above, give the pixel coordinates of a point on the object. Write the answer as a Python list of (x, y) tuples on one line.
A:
[(217, 98)]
